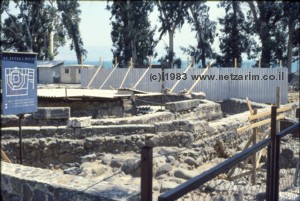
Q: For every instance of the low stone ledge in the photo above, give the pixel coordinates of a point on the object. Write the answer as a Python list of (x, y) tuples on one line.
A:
[(182, 105), (28, 183), (77, 132), (52, 113), (144, 119)]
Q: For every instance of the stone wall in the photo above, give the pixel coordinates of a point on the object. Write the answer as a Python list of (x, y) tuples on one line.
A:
[(158, 100), (235, 105), (95, 108), (55, 116), (20, 182)]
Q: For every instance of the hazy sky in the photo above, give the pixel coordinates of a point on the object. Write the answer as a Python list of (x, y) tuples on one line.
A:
[(95, 30)]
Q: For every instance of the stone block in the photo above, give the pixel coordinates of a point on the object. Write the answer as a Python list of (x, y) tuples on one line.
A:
[(52, 113), (198, 95), (79, 122), (182, 105)]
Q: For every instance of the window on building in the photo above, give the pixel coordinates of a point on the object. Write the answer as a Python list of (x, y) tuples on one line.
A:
[(79, 71), (66, 71)]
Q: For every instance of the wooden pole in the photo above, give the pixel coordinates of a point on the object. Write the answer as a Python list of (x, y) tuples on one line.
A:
[(249, 105), (235, 62), (143, 74), (4, 156), (196, 82), (109, 75), (94, 76), (177, 82), (188, 61), (259, 63), (263, 114), (129, 68), (260, 123), (280, 63)]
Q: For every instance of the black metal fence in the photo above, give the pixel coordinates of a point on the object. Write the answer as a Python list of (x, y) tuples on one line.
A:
[(277, 173)]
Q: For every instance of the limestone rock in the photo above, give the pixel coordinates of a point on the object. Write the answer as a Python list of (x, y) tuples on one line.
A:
[(92, 169), (163, 169), (131, 166), (72, 171), (116, 162), (167, 185), (184, 174), (88, 158), (190, 161), (106, 160), (198, 95), (79, 122), (182, 105)]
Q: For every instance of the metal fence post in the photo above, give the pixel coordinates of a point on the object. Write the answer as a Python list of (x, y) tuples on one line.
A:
[(21, 116), (146, 173), (269, 168), (276, 167), (271, 184)]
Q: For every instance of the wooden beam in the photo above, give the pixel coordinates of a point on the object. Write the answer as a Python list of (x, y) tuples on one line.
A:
[(88, 86), (111, 72), (129, 68), (260, 123), (249, 105), (186, 70), (143, 74), (263, 114), (4, 156), (196, 82), (235, 62)]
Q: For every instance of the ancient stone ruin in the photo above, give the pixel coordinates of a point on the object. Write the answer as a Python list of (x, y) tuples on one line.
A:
[(90, 150)]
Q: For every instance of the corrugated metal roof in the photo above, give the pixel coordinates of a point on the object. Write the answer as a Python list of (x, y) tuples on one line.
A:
[(48, 64), (79, 93)]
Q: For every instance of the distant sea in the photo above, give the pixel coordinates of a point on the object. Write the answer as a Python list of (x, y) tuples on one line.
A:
[(108, 64)]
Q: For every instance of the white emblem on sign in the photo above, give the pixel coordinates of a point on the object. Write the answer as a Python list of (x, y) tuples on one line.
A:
[(17, 81)]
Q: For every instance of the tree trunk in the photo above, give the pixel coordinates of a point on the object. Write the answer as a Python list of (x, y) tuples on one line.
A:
[(235, 34), (134, 55), (171, 47), (203, 60), (76, 45), (290, 46), (265, 52)]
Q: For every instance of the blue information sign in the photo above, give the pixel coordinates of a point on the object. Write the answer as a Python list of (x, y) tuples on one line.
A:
[(19, 83)]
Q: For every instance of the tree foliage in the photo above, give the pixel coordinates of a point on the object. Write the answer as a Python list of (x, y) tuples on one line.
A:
[(172, 15), (132, 35), (70, 13), (205, 29), (234, 40), (266, 16), (30, 29)]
